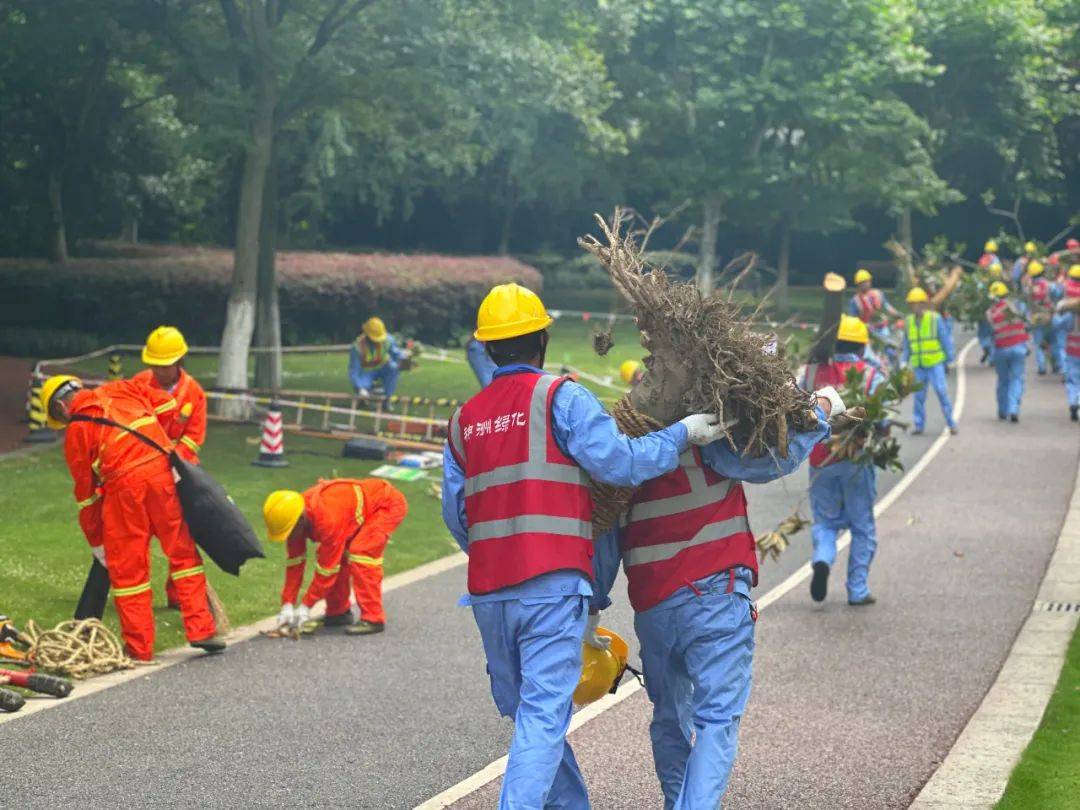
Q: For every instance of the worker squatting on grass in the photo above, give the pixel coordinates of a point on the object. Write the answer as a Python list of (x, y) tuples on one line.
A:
[(516, 498)]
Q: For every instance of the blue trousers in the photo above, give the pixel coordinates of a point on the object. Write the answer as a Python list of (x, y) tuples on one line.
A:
[(533, 649), (1009, 364), (985, 333), (1072, 380), (842, 497), (388, 373), (1057, 347), (696, 659), (1039, 335), (932, 377), (482, 365)]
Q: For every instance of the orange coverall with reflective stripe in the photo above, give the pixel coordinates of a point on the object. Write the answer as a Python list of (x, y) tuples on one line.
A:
[(350, 521), (126, 493)]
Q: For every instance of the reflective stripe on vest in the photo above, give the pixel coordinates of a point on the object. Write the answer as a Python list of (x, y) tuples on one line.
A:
[(684, 526), (1072, 288), (868, 305), (926, 349), (1008, 331)]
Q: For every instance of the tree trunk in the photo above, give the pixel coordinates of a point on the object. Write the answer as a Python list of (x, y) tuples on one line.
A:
[(129, 229), (507, 227), (267, 314), (907, 269), (58, 251), (783, 267), (710, 226)]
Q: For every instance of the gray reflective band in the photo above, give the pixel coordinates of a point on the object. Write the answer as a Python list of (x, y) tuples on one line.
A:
[(701, 494), (512, 473), (455, 435), (522, 524), (709, 533)]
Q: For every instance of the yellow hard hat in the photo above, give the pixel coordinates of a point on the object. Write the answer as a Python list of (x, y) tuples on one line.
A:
[(164, 346), (995, 269), (990, 247), (601, 669), (48, 391), (281, 512), (852, 330), (862, 274), (509, 311), (1074, 271), (1030, 248), (917, 295), (1035, 268), (629, 368), (998, 289), (375, 329)]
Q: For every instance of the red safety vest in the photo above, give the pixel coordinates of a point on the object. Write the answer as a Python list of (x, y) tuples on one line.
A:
[(372, 354), (869, 304), (1007, 331), (528, 504), (1072, 288), (834, 374), (1072, 338), (1039, 290), (683, 526)]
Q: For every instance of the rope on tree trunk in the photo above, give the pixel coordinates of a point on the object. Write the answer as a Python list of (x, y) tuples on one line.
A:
[(77, 648), (609, 502)]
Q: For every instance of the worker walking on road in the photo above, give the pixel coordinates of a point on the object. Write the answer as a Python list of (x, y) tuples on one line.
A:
[(516, 476), (870, 305), (164, 353), (126, 493), (1042, 294), (350, 522), (928, 348), (1008, 319), (374, 356), (1068, 322), (1031, 250)]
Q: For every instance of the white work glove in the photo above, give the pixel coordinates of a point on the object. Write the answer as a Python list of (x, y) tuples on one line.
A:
[(99, 554), (1059, 306), (594, 639), (837, 404), (703, 428), (301, 616), (285, 615)]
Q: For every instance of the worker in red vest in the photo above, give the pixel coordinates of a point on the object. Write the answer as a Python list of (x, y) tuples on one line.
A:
[(1041, 295), (1008, 319), (1069, 325), (870, 305), (989, 254), (126, 493), (516, 475), (690, 563)]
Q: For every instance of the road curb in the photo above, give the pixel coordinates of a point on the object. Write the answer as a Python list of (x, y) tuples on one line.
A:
[(977, 768)]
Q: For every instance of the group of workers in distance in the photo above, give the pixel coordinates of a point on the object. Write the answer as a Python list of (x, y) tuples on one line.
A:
[(116, 444)]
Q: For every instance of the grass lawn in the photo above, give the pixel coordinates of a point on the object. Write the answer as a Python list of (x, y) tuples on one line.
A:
[(46, 557), (1048, 776)]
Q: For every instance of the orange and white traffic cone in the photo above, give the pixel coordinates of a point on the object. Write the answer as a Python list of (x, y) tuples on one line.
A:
[(272, 446)]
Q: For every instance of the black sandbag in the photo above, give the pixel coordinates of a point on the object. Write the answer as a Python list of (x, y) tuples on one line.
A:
[(95, 593)]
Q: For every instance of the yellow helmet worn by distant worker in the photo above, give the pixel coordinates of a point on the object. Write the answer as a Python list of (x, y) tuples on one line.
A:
[(48, 391), (917, 295), (862, 274), (1030, 248), (998, 289), (990, 246), (995, 269), (1035, 268), (281, 512), (375, 329), (164, 346), (509, 311), (1074, 272), (601, 669), (628, 369), (852, 330)]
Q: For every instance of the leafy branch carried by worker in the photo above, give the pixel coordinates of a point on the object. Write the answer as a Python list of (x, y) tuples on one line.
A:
[(864, 435)]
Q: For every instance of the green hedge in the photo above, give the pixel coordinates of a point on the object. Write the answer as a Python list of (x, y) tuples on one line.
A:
[(55, 309)]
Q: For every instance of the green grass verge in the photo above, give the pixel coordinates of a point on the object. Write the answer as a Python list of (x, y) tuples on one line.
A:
[(46, 557), (1048, 776)]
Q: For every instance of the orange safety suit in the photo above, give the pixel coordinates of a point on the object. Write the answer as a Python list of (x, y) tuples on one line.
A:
[(126, 493), (350, 521)]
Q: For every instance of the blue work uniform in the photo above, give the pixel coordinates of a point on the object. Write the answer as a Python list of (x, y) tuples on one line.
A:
[(1009, 364), (364, 378), (1045, 333), (1065, 322), (985, 334), (697, 647), (480, 361), (532, 632), (881, 330), (932, 376)]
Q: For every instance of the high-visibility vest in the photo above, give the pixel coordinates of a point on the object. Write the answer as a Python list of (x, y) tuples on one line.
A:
[(683, 526), (1008, 331), (372, 354), (1072, 288), (527, 503), (1072, 338), (834, 374), (191, 408), (926, 349), (869, 304)]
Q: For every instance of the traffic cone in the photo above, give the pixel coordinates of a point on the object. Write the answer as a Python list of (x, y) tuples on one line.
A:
[(116, 367), (272, 446), (39, 430)]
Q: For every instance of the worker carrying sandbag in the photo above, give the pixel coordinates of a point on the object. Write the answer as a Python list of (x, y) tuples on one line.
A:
[(350, 522), (375, 356), (516, 498), (126, 492)]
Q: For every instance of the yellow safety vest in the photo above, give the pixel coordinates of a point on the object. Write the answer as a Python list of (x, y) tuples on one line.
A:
[(926, 350)]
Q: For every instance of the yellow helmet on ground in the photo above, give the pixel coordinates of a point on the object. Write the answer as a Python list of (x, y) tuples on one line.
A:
[(852, 330), (375, 329), (1030, 248), (1035, 268), (164, 346), (917, 295), (990, 247), (1074, 271), (281, 512), (509, 311), (628, 369), (601, 669), (998, 289), (995, 269), (862, 274), (48, 391)]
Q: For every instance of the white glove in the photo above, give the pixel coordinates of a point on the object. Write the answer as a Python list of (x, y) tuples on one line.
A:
[(593, 638), (837, 404), (301, 616), (1059, 306), (99, 554), (703, 428), (285, 615)]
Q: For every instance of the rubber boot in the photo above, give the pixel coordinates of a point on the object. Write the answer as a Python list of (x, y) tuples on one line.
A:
[(866, 600), (819, 583), (214, 644), (365, 628), (1074, 413)]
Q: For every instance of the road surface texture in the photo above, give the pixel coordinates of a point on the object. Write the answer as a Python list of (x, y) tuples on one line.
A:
[(851, 708)]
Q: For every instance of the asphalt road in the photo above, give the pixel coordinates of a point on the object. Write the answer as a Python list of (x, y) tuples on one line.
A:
[(850, 708)]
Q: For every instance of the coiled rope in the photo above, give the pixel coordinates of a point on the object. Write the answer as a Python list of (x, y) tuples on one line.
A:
[(77, 648)]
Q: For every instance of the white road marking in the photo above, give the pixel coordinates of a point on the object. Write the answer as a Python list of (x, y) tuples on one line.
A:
[(495, 769)]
